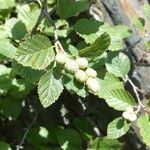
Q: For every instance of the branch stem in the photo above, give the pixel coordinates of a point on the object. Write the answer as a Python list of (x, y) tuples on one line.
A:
[(58, 45), (135, 89)]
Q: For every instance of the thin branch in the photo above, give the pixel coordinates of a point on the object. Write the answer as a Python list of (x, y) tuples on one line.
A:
[(142, 64), (44, 12), (19, 146), (58, 45), (132, 45), (52, 23), (40, 18), (135, 89)]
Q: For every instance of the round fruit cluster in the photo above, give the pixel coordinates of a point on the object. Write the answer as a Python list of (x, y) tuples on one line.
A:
[(129, 114), (79, 68)]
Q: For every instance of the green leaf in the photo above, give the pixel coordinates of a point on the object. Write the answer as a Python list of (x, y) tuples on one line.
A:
[(147, 44), (53, 131), (15, 29), (5, 84), (109, 83), (4, 70), (36, 52), (105, 144), (115, 34), (123, 30), (87, 26), (38, 136), (117, 64), (11, 107), (117, 128), (49, 88), (28, 73), (97, 48), (20, 88), (6, 4), (72, 50), (147, 10), (69, 8), (3, 33), (88, 29), (6, 48), (73, 86), (51, 1), (69, 139), (4, 146), (62, 28), (28, 15), (144, 125), (119, 99), (139, 23), (85, 127)]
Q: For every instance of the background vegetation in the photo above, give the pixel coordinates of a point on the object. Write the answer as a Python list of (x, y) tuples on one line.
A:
[(42, 106)]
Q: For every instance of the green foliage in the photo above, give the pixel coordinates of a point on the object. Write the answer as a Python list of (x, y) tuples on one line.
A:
[(69, 8), (100, 45), (139, 23), (11, 107), (28, 14), (36, 53), (118, 64), (105, 144), (20, 88), (73, 86), (31, 79), (144, 125), (148, 44), (38, 136), (109, 83), (49, 88), (7, 4), (117, 34), (147, 10), (90, 30), (119, 99), (85, 127), (117, 128), (123, 31), (15, 29), (5, 84), (4, 70), (4, 146), (87, 29), (3, 33), (6, 48), (62, 26), (27, 72), (69, 139)]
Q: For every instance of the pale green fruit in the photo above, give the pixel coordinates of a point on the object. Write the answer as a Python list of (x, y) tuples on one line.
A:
[(133, 117), (81, 76), (93, 85), (71, 66), (91, 72), (130, 109), (61, 58), (82, 62)]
